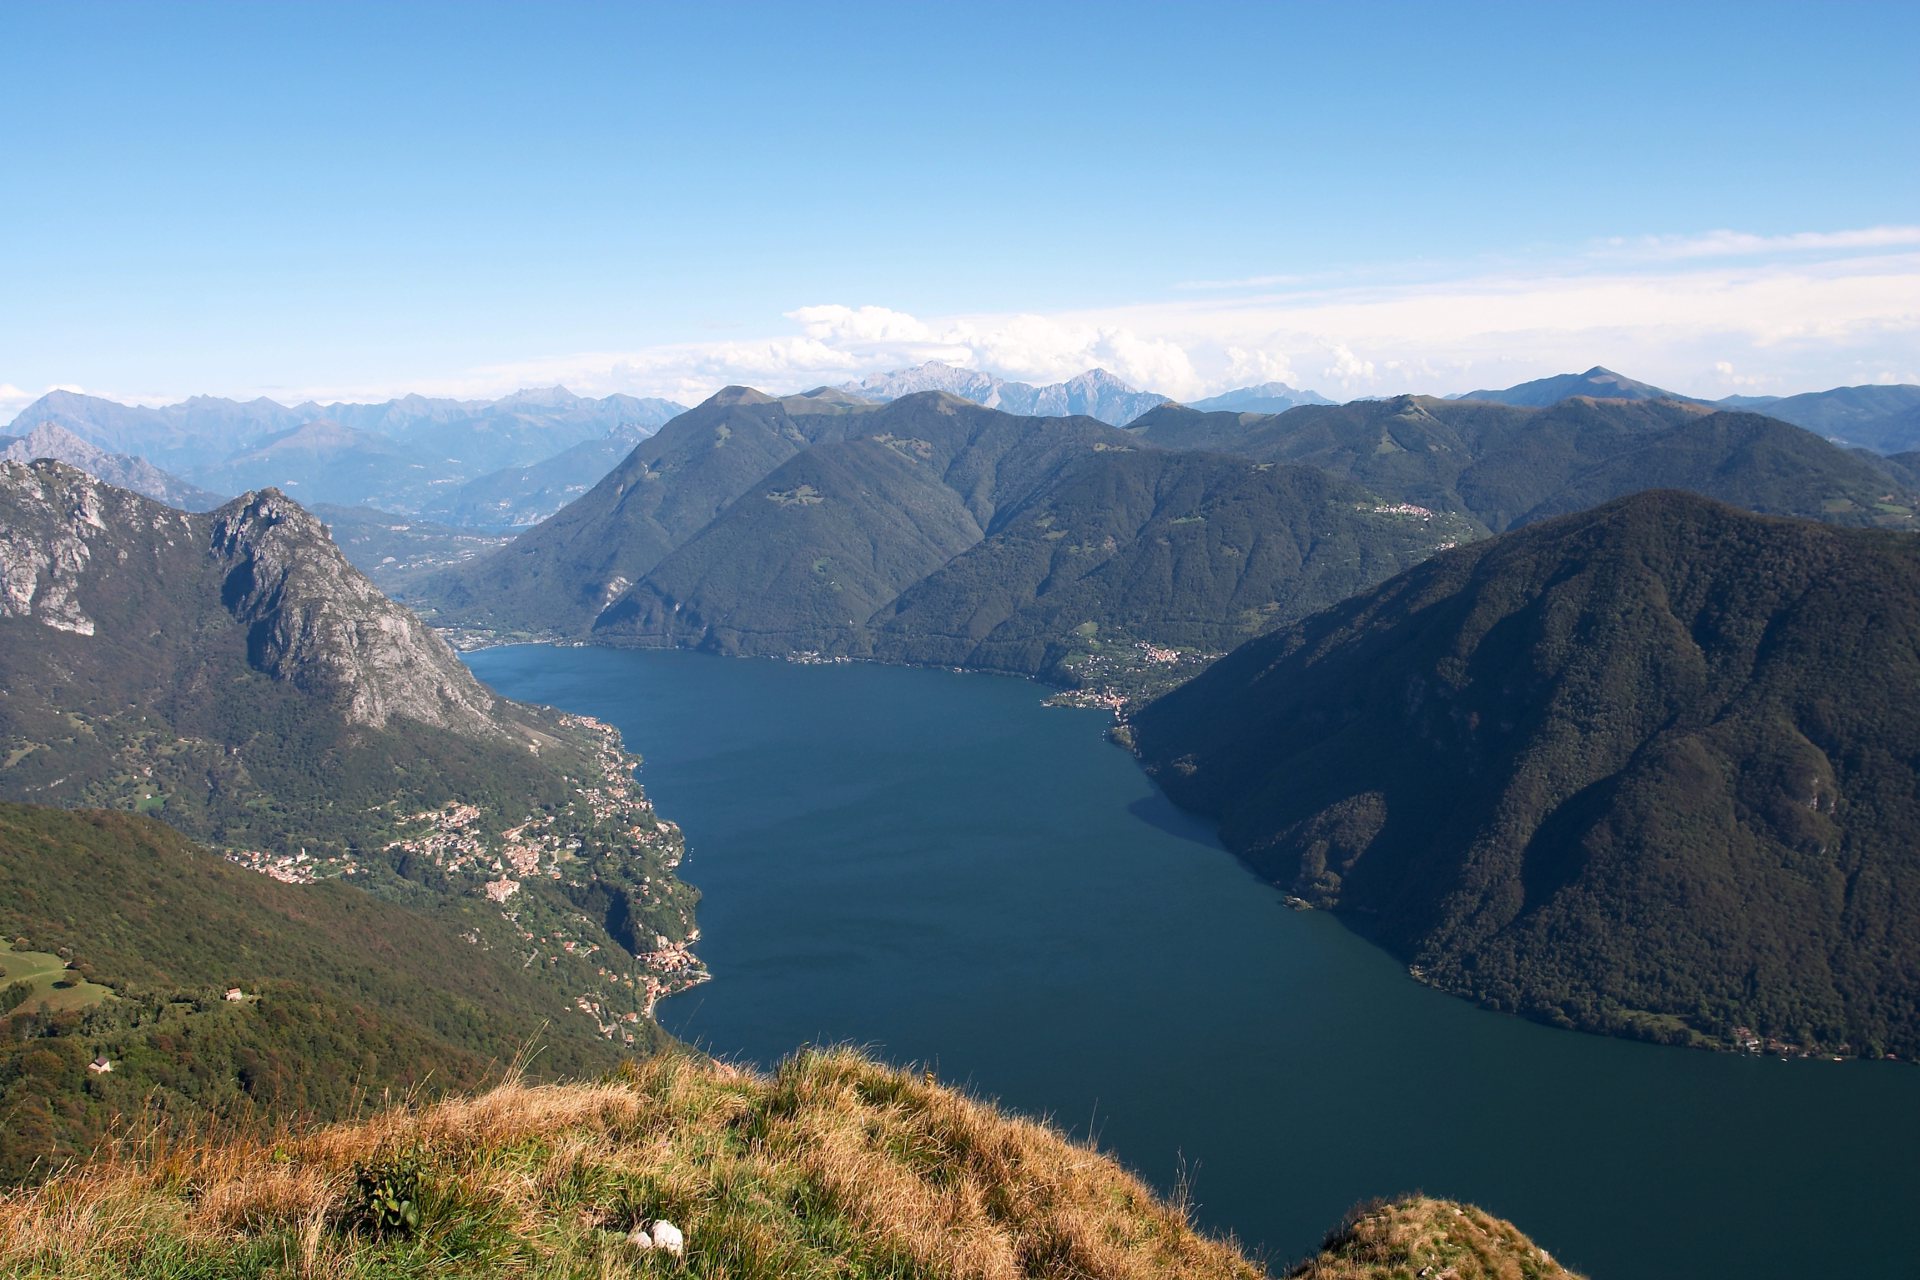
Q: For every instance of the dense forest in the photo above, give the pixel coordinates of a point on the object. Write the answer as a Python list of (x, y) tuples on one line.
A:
[(1647, 769), (346, 996)]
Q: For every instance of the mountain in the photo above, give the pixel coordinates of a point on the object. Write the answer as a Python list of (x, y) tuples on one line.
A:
[(233, 675), (515, 497), (401, 454), (1125, 553), (1647, 769), (177, 437), (48, 440), (806, 556), (1597, 382), (1268, 397), (1884, 418), (832, 1166), (323, 461), (934, 530), (483, 436), (1093, 394), (557, 577), (1504, 465), (345, 995)]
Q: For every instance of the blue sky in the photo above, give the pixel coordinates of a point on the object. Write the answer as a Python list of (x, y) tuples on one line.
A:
[(346, 200)]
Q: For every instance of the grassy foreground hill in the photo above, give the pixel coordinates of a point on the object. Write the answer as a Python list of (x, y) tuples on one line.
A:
[(832, 1167), (1648, 769)]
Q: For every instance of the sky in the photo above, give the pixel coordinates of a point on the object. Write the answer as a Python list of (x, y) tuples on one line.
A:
[(337, 201)]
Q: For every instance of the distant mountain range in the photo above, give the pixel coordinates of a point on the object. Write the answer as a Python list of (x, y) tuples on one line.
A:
[(1268, 397), (48, 440), (1502, 465), (1882, 417), (1093, 394), (399, 455), (933, 530), (1601, 383), (1645, 769), (515, 497)]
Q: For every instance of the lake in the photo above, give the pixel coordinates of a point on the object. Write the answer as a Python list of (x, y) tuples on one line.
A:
[(936, 866)]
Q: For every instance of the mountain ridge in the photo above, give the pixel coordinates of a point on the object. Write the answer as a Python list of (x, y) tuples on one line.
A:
[(1094, 393), (1640, 770)]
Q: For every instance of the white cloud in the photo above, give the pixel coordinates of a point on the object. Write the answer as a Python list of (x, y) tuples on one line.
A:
[(1254, 367), (1726, 244), (1700, 314), (13, 400), (1349, 369), (859, 324)]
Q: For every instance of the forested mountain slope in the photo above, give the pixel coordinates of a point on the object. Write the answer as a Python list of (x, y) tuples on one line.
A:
[(559, 575), (345, 995), (1143, 547), (1504, 465), (1647, 769), (892, 531)]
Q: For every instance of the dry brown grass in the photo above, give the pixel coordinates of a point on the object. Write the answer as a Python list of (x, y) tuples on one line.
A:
[(1434, 1239), (834, 1166)]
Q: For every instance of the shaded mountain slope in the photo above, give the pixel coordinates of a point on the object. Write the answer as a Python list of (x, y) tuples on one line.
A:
[(806, 557), (346, 995), (559, 575), (1884, 418), (1647, 769), (803, 560), (1124, 548)]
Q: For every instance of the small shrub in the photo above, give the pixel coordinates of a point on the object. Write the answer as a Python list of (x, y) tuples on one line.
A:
[(386, 1198)]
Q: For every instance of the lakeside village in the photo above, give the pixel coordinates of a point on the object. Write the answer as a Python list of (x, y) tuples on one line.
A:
[(505, 868)]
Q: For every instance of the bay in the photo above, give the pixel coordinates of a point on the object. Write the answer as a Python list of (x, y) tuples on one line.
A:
[(936, 867)]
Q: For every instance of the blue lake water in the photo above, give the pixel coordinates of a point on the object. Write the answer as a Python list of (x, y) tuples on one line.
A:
[(936, 866)]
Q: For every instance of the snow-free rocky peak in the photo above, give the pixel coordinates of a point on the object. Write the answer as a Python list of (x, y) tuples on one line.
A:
[(315, 621)]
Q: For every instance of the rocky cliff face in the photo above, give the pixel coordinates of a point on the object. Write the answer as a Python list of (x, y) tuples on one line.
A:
[(74, 549), (60, 528), (313, 620)]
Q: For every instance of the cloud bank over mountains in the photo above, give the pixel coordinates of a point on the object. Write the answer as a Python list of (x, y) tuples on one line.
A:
[(1709, 314)]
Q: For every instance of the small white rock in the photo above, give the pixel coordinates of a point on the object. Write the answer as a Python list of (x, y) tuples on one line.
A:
[(639, 1239), (669, 1237)]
